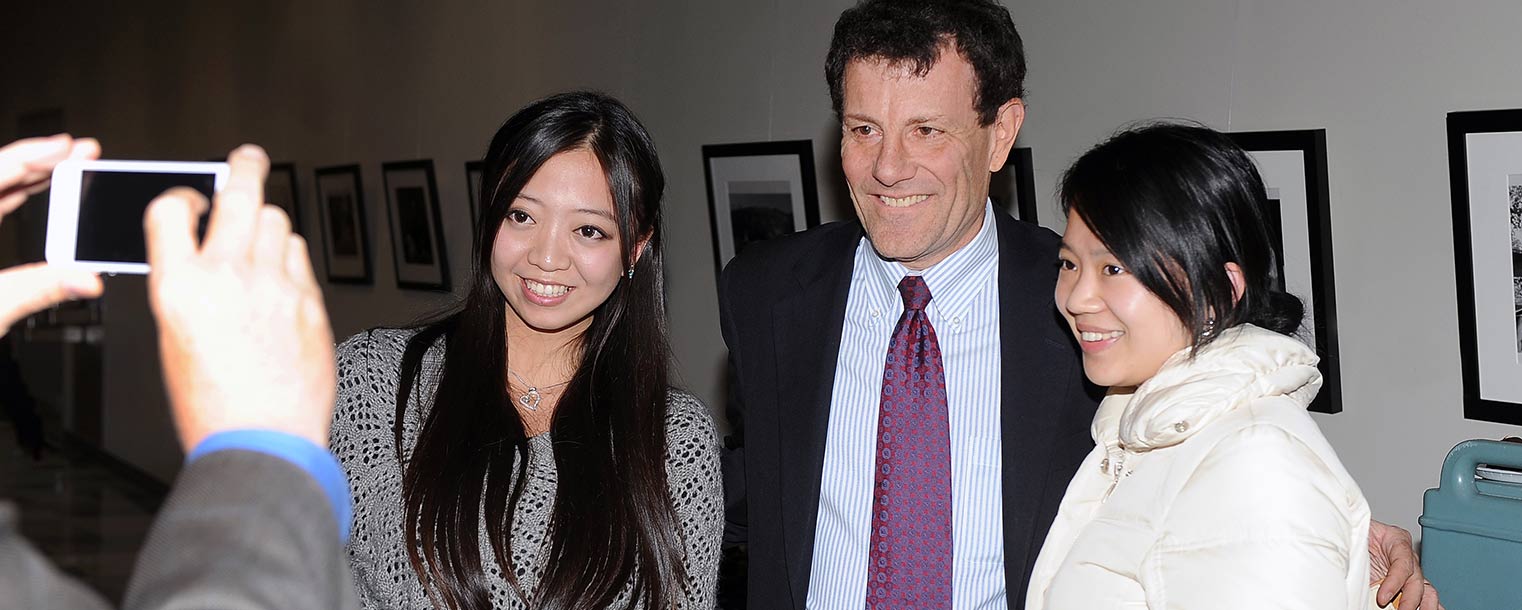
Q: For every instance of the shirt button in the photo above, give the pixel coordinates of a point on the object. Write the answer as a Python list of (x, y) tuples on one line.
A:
[(956, 321), (875, 314), (1104, 465), (1181, 427)]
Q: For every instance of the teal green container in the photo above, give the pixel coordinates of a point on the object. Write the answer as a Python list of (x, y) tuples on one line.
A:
[(1472, 528)]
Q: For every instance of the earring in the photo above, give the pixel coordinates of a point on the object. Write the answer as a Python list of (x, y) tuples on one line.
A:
[(1209, 327), (630, 274)]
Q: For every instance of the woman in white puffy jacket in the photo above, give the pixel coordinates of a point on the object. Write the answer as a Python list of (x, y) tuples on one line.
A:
[(1209, 487)]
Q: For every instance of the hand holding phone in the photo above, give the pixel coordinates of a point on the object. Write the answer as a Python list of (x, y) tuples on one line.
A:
[(95, 212), (25, 167), (242, 329)]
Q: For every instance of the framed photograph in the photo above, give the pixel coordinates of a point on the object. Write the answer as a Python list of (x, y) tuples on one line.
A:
[(1293, 166), (473, 171), (417, 233), (345, 233), (757, 191), (280, 190), (1485, 173), (1013, 188)]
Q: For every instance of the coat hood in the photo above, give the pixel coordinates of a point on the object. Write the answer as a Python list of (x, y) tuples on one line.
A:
[(1245, 364)]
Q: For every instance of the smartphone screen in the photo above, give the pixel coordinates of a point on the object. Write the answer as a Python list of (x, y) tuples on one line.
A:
[(111, 207)]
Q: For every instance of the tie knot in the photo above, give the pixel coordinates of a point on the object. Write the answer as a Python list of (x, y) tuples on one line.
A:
[(916, 294)]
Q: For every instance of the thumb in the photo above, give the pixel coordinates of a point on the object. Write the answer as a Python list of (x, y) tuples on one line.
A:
[(27, 289)]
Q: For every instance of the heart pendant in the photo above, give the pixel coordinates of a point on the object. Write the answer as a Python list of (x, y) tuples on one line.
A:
[(530, 399)]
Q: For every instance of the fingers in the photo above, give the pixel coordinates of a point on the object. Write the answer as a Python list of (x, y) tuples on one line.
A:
[(26, 165), (1421, 596), (1411, 593), (27, 289), (31, 159), (1400, 579), (1390, 546), (82, 149), (170, 227), (235, 217), (240, 229), (1426, 600), (270, 242), (85, 149), (1429, 598), (298, 265), (1387, 590)]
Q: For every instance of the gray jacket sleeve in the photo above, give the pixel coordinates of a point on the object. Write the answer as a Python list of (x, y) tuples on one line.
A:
[(243, 529), (27, 580)]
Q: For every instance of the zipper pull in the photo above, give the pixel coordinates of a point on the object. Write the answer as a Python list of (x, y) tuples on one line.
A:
[(1113, 465)]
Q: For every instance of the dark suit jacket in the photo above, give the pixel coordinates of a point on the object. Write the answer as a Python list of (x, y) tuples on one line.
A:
[(782, 307), (240, 530)]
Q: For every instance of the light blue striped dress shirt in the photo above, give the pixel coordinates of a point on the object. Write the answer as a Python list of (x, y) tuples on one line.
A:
[(964, 310)]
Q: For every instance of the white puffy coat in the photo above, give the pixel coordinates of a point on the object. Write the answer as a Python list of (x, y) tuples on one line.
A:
[(1210, 488)]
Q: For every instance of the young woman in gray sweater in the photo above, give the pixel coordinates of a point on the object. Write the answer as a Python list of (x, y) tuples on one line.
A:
[(523, 449)]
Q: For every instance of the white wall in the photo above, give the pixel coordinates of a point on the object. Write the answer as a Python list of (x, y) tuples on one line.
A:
[(346, 81), (1379, 76)]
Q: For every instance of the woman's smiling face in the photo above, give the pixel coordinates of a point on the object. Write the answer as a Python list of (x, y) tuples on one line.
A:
[(1126, 332), (556, 256)]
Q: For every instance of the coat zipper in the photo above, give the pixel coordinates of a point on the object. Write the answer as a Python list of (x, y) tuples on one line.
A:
[(1115, 467)]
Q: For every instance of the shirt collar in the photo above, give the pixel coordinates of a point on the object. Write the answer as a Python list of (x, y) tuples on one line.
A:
[(953, 281)]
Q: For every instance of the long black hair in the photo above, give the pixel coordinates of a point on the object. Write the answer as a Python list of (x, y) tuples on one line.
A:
[(1175, 203), (612, 523)]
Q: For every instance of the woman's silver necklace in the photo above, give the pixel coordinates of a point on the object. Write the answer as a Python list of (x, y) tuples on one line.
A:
[(531, 397)]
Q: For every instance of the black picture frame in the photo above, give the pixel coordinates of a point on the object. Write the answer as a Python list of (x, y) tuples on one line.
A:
[(779, 191), (1021, 167), (282, 190), (473, 171), (345, 229), (1025, 184), (1485, 188), (1304, 247), (418, 251)]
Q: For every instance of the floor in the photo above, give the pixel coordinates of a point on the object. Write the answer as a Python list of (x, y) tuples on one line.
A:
[(88, 521)]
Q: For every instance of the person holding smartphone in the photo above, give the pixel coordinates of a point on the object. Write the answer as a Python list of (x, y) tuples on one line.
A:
[(259, 513)]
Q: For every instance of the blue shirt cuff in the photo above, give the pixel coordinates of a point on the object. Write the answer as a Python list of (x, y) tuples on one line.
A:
[(305, 454)]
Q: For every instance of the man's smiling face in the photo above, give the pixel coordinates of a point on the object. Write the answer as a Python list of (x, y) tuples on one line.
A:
[(916, 159)]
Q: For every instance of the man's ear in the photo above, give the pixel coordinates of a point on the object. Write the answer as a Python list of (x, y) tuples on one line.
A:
[(1006, 126), (1238, 282)]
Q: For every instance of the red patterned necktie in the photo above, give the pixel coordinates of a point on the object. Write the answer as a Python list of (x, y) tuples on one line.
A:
[(910, 560)]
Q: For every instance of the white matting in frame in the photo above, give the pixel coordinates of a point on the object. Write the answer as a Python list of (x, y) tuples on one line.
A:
[(1485, 163), (757, 191), (417, 234), (1285, 179), (345, 232), (1294, 170)]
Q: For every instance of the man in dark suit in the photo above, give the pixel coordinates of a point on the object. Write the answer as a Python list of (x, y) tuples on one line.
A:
[(929, 98), (922, 130), (257, 517)]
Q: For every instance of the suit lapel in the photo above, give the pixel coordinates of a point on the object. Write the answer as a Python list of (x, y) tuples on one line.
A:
[(807, 327), (1037, 363)]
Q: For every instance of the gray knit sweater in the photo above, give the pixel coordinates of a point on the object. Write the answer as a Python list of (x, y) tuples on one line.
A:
[(361, 437)]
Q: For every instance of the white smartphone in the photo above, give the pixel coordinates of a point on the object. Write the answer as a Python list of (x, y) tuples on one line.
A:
[(95, 210)]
